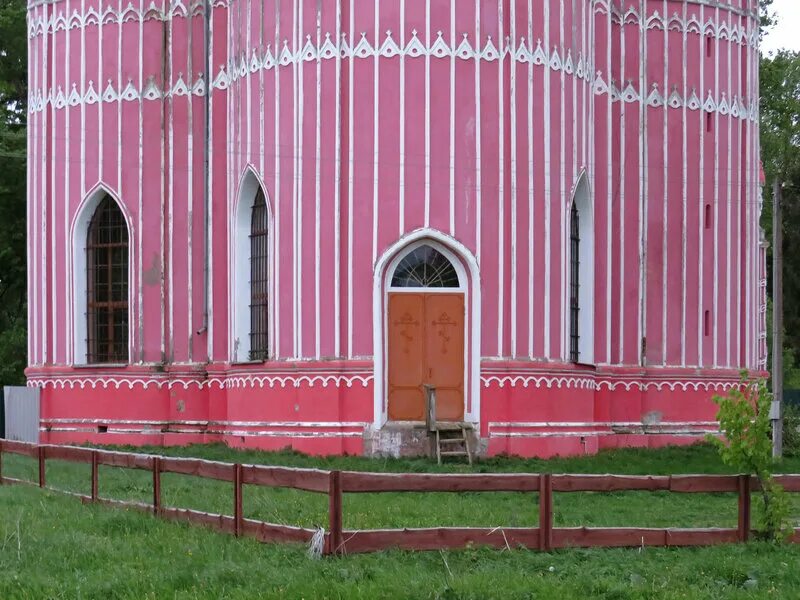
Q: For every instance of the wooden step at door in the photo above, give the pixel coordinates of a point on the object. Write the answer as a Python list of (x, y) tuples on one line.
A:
[(451, 441)]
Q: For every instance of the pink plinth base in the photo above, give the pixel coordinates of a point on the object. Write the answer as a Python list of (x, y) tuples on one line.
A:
[(563, 410)]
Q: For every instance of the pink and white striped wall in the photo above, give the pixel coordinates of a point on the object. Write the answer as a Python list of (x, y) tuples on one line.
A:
[(369, 123)]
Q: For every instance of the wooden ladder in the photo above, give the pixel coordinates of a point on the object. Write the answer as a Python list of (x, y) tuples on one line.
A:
[(446, 439), (452, 440)]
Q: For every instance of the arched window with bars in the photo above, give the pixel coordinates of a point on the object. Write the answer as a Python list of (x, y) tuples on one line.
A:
[(580, 293), (259, 278), (574, 284), (107, 285)]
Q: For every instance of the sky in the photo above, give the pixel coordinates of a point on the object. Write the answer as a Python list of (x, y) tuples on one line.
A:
[(785, 33)]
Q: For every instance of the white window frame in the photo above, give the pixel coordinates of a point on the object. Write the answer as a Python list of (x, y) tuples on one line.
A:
[(78, 233), (239, 297)]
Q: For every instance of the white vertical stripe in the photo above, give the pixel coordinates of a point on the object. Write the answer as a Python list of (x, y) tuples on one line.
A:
[(501, 185), (562, 202), (547, 187), (752, 345), (644, 165), (622, 229), (715, 116), (48, 187), (277, 198), (684, 191), (530, 248), (609, 194), (665, 182), (168, 279), (427, 114), (52, 133), (478, 192), (317, 192), (741, 229), (402, 191), (350, 202), (337, 191), (132, 256), (210, 141), (228, 202), (35, 198), (513, 241), (375, 133), (728, 176), (701, 208), (452, 118), (162, 204), (139, 228), (299, 119)]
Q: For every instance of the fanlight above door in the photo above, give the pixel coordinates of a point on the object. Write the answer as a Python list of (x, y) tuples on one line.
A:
[(425, 267)]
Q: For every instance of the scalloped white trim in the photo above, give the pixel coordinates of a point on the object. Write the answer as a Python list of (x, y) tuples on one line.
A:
[(720, 30), (233, 381), (591, 383), (324, 380), (246, 65)]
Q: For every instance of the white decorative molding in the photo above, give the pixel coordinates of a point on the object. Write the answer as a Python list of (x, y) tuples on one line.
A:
[(590, 382), (246, 65), (722, 30), (364, 379), (222, 382), (277, 429), (540, 381), (272, 381)]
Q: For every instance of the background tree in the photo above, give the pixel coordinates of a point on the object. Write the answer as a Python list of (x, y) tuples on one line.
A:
[(13, 112), (780, 155)]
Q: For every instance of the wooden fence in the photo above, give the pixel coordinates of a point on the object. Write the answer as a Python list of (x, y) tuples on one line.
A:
[(336, 483)]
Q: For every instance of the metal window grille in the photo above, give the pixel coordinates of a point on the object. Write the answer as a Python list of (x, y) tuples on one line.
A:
[(259, 279), (425, 267), (574, 284), (107, 285)]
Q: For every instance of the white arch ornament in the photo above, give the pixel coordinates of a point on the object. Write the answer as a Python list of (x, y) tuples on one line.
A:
[(469, 277), (78, 232)]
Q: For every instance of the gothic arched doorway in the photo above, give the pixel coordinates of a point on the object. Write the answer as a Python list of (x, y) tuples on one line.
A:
[(426, 334)]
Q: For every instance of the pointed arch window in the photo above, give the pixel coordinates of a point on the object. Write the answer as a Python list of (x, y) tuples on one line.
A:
[(574, 284), (425, 267), (259, 278), (107, 285)]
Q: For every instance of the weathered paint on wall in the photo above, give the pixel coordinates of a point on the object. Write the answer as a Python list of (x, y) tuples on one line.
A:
[(365, 121)]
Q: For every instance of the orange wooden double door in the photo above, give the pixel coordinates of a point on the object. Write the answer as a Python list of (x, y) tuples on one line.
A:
[(426, 346)]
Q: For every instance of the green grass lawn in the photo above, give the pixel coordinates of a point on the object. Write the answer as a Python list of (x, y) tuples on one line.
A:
[(53, 546)]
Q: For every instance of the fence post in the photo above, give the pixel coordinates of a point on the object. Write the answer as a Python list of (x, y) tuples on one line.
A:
[(94, 476), (237, 499), (744, 508), (42, 481), (156, 485), (545, 512), (335, 513)]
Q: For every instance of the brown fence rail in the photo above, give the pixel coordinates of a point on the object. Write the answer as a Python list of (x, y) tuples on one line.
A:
[(336, 483)]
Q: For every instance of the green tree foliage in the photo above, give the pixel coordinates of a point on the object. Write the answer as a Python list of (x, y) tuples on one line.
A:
[(744, 420), (780, 155), (13, 111)]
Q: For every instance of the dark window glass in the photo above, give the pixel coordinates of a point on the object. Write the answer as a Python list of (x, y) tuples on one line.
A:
[(107, 285), (259, 284), (425, 267), (574, 283)]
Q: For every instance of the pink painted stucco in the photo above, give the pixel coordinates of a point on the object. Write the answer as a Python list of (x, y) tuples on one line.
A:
[(369, 122)]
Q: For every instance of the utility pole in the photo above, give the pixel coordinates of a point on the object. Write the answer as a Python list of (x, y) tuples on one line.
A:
[(776, 410)]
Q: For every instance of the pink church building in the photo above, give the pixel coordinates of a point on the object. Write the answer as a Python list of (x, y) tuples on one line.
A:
[(271, 223)]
